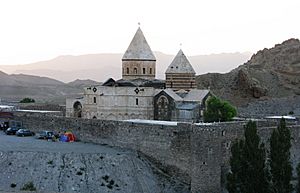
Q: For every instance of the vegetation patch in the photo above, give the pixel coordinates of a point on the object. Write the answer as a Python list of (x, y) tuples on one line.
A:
[(27, 100), (29, 186), (79, 173), (106, 177), (110, 183), (13, 185), (218, 110)]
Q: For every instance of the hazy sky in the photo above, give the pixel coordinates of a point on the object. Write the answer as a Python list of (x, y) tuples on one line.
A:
[(33, 30)]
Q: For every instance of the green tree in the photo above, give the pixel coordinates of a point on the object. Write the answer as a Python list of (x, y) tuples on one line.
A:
[(249, 172), (298, 178), (280, 165), (27, 100), (218, 110)]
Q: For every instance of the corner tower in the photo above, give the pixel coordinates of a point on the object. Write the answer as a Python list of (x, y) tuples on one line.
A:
[(180, 73), (138, 60)]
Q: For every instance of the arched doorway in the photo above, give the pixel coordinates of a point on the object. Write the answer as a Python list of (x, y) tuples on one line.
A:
[(163, 108), (77, 109)]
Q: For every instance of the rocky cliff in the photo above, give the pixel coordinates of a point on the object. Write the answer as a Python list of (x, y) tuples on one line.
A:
[(269, 74)]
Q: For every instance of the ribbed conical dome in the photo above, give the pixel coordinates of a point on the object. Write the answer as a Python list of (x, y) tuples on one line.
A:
[(139, 48), (180, 64)]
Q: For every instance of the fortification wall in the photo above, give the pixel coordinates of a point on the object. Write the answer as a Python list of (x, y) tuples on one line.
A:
[(167, 146), (196, 154)]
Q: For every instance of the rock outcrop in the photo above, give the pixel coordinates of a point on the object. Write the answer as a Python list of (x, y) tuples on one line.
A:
[(270, 73)]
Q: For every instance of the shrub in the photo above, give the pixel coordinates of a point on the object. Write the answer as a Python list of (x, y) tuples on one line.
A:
[(27, 100), (218, 110), (13, 185), (29, 186)]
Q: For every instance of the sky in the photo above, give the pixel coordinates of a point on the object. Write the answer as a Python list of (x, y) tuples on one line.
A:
[(35, 30)]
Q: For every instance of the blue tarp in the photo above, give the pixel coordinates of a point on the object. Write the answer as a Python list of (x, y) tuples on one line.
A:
[(63, 138)]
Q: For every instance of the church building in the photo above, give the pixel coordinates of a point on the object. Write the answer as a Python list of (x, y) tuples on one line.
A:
[(139, 95)]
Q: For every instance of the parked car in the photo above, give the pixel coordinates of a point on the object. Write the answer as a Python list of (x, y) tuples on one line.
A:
[(45, 135), (24, 132), (11, 131)]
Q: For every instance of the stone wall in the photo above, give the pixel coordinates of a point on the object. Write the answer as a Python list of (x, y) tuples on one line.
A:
[(133, 69), (196, 154), (179, 81), (117, 103), (167, 146)]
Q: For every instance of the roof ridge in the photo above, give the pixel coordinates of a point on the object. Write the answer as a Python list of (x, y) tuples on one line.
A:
[(139, 48), (180, 64)]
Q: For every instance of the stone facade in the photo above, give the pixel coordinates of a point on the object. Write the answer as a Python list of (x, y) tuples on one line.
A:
[(135, 95), (118, 103), (196, 154), (184, 106), (74, 107), (132, 69)]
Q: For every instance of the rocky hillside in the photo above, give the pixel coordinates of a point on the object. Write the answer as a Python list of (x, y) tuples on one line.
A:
[(82, 172), (18, 86), (270, 73)]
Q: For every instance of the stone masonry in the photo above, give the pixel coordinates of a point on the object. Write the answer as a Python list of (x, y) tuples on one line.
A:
[(196, 154)]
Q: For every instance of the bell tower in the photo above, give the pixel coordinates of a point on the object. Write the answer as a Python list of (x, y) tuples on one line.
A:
[(138, 60), (180, 74)]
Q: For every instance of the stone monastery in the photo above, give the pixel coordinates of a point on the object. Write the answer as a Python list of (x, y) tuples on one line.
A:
[(139, 95)]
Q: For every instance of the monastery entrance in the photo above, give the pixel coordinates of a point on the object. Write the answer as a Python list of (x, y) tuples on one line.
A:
[(77, 109)]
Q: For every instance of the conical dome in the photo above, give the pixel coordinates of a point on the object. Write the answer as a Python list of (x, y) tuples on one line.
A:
[(180, 64), (139, 48)]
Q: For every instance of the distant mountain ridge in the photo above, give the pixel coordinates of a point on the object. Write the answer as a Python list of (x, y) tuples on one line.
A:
[(100, 67), (17, 86)]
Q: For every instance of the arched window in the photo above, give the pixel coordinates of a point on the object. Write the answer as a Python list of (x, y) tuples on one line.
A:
[(95, 100), (135, 70), (150, 70), (223, 133), (144, 70), (127, 70)]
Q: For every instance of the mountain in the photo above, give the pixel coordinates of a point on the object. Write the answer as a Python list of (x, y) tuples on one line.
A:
[(100, 67), (83, 83), (18, 86), (270, 75)]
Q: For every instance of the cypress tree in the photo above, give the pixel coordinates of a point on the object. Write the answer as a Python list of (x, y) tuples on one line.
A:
[(280, 165), (234, 180), (298, 178), (248, 164)]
